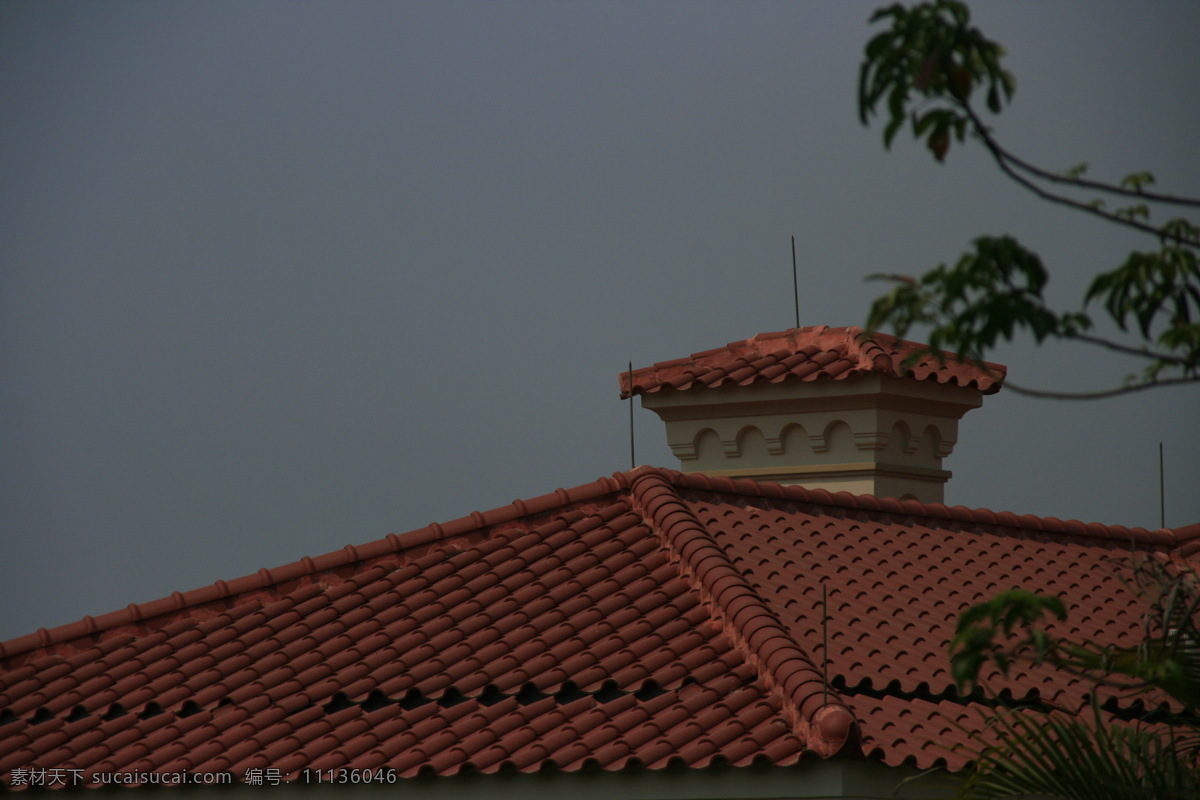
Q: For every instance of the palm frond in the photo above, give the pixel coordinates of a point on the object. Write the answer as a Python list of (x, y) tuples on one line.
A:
[(1070, 757)]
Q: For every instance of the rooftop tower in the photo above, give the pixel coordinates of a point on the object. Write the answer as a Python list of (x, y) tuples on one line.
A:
[(825, 408)]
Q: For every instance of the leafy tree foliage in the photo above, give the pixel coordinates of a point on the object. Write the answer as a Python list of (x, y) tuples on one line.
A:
[(1090, 756), (931, 69)]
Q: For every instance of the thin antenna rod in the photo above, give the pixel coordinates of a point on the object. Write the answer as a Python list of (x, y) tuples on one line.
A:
[(795, 282), (632, 459), (1162, 492), (825, 643)]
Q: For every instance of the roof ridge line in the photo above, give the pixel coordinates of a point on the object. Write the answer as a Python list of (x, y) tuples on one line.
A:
[(815, 710), (1161, 537), (264, 578)]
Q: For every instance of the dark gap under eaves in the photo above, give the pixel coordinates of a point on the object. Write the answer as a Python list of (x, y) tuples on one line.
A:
[(451, 697), (339, 702), (1134, 712), (649, 691), (491, 696), (609, 692), (152, 709), (530, 694), (413, 699), (568, 692), (1138, 712), (866, 688), (376, 700)]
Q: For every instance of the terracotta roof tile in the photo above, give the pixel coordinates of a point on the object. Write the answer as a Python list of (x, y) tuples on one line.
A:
[(649, 618), (809, 354)]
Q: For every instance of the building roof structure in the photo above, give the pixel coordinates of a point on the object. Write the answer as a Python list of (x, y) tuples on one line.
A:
[(650, 619), (654, 622)]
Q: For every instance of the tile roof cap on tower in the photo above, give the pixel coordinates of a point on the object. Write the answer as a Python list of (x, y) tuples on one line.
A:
[(810, 354)]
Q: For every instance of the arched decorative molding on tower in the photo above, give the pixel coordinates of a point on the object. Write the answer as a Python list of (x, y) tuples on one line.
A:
[(793, 441), (752, 443), (838, 437)]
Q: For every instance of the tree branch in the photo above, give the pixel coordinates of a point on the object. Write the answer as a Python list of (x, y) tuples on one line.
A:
[(1084, 183), (1100, 395), (1142, 352), (1000, 155)]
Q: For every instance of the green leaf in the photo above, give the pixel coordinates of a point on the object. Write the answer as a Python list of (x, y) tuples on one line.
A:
[(1028, 751), (922, 68), (1134, 212), (929, 58), (878, 43), (979, 627), (1137, 180), (1077, 170), (939, 142), (1153, 288), (890, 132), (991, 294), (1053, 754)]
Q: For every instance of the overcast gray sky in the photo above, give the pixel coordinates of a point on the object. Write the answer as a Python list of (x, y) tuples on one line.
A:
[(282, 276)]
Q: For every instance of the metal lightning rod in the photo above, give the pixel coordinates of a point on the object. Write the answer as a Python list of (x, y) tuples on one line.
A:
[(1162, 492), (825, 643), (795, 282), (632, 459)]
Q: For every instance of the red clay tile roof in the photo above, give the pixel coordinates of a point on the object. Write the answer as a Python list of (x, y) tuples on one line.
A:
[(809, 354), (651, 618)]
